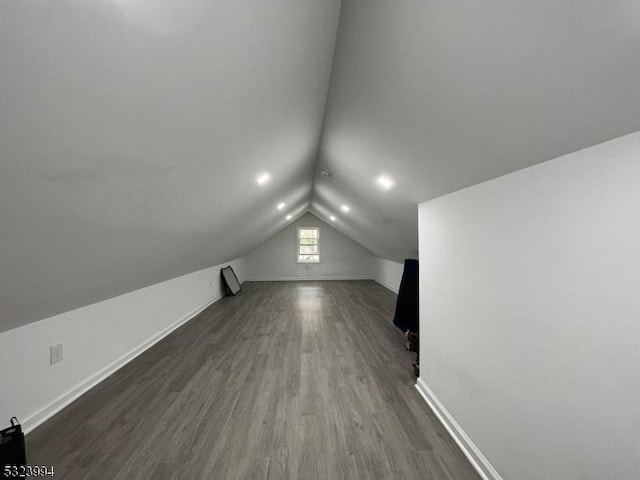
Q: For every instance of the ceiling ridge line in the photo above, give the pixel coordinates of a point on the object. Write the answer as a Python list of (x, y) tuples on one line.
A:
[(326, 105)]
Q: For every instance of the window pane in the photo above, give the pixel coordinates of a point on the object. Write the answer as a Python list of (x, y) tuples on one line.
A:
[(309, 258), (308, 233), (308, 241), (308, 245)]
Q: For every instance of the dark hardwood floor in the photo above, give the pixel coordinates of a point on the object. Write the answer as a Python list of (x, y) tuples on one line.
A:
[(298, 380)]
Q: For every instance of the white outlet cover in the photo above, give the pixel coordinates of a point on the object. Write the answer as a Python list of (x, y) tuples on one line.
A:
[(55, 353)]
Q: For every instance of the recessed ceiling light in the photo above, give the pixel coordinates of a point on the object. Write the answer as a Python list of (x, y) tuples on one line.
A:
[(384, 182), (263, 178), (345, 208), (288, 217), (281, 205), (333, 219)]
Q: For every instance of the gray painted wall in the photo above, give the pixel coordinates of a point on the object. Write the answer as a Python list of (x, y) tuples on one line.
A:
[(340, 256)]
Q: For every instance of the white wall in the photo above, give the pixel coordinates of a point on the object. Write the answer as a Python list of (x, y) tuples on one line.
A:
[(97, 339), (387, 273), (341, 257), (530, 309)]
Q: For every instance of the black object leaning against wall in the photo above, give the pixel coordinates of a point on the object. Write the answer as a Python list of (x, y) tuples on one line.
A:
[(230, 280), (406, 316), (12, 448)]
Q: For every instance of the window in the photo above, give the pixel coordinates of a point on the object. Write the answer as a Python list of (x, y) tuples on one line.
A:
[(308, 245)]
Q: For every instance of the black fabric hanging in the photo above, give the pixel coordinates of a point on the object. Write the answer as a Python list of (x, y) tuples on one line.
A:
[(12, 449), (406, 317)]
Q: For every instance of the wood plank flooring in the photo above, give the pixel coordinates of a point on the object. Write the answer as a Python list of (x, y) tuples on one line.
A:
[(288, 380)]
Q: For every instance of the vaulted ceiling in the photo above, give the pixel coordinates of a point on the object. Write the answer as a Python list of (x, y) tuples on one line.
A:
[(132, 132)]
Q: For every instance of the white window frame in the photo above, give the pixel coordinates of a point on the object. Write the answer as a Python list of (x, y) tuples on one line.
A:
[(297, 243)]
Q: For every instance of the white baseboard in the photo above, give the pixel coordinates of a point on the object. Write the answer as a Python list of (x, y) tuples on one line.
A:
[(473, 453), (297, 279), (388, 287), (53, 407)]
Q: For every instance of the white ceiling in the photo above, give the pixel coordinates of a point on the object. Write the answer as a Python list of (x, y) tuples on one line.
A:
[(131, 132), (445, 94)]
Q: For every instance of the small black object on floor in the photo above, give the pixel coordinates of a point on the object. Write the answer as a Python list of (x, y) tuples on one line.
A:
[(406, 316), (12, 448)]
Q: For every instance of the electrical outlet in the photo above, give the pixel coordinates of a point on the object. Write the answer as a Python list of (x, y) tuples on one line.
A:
[(55, 353)]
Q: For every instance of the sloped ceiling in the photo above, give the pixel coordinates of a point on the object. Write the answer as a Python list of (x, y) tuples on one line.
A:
[(131, 132), (441, 95)]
